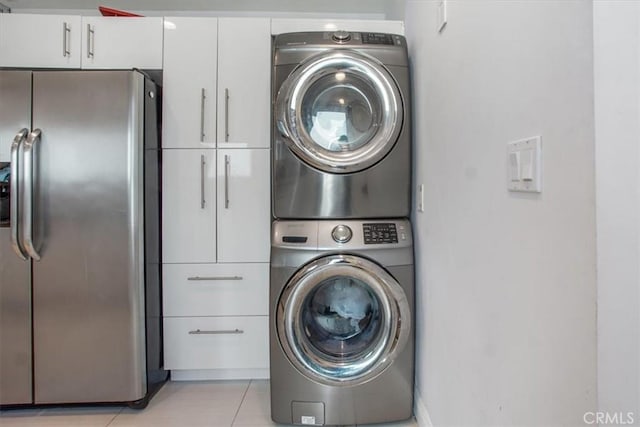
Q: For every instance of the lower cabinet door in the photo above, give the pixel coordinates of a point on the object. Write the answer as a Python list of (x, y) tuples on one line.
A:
[(216, 342)]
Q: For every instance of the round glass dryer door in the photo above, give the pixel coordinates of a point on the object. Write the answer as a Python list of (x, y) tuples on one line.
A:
[(342, 319), (340, 112)]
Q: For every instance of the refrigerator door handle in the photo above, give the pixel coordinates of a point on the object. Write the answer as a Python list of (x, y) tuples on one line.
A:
[(30, 161), (14, 200)]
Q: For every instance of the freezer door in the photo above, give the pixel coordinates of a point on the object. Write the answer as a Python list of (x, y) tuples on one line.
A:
[(88, 286), (15, 285), (15, 325)]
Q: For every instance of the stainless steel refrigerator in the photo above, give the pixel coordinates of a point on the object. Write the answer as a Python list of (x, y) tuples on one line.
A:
[(80, 302)]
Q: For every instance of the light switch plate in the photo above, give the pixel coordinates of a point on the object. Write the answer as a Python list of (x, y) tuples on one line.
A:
[(441, 15), (524, 165)]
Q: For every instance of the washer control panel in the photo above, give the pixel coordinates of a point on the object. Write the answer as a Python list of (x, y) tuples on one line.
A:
[(379, 232), (377, 38), (342, 234)]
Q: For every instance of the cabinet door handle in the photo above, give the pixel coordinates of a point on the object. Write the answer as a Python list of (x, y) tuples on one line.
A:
[(203, 202), (217, 332), (90, 41), (202, 278), (66, 40), (202, 98), (227, 169), (226, 115)]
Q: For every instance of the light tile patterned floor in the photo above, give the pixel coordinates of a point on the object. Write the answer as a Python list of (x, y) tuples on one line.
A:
[(177, 404)]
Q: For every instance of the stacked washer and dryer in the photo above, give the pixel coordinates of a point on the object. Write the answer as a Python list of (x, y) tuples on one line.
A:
[(342, 279)]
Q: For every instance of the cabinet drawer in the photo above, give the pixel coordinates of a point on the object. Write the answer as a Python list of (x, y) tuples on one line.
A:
[(216, 342), (215, 289)]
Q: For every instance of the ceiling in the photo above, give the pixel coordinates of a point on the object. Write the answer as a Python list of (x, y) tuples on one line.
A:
[(338, 7)]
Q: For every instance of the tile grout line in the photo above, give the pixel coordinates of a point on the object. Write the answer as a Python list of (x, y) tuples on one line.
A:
[(241, 402), (114, 417)]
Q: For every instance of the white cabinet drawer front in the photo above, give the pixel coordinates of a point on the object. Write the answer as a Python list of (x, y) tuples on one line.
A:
[(215, 290), (216, 342)]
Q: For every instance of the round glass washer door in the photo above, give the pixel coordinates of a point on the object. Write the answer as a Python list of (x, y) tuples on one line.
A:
[(340, 112), (342, 319)]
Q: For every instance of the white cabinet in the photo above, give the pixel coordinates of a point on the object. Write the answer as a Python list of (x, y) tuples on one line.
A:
[(189, 72), (189, 206), (244, 70), (217, 343), (224, 289), (121, 43), (243, 205), (65, 41), (191, 216), (40, 41), (216, 254)]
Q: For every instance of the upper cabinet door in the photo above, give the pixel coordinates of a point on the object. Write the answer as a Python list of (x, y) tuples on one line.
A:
[(189, 206), (189, 82), (244, 70), (40, 41), (121, 43), (243, 206)]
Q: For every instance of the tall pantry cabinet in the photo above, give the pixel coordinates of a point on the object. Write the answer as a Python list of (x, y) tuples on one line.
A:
[(216, 196)]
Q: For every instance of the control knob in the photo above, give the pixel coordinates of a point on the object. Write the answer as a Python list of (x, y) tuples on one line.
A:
[(341, 233), (341, 36)]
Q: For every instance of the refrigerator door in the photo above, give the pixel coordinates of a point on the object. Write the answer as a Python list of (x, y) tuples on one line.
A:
[(15, 284), (88, 287)]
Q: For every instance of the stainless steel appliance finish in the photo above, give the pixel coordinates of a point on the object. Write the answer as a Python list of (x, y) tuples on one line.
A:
[(341, 129), (341, 333), (85, 216)]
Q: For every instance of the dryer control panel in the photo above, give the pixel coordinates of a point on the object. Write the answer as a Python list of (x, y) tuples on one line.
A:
[(379, 232)]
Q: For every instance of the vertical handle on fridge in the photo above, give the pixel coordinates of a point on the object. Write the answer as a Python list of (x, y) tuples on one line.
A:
[(30, 161), (14, 200)]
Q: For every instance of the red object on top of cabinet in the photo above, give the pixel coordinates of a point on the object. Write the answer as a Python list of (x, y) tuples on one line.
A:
[(107, 11)]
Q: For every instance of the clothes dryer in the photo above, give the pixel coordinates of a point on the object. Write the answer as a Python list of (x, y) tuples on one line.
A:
[(341, 325), (341, 126)]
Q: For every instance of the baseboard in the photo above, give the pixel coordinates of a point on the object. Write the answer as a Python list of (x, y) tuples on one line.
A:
[(420, 410), (219, 374)]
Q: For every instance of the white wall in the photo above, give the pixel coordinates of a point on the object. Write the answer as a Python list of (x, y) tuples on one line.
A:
[(617, 120), (506, 310)]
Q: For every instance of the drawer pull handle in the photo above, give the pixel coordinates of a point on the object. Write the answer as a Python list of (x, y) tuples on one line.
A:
[(200, 278), (218, 332)]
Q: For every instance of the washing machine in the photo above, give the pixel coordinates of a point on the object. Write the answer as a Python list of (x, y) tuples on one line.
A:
[(341, 126), (341, 322)]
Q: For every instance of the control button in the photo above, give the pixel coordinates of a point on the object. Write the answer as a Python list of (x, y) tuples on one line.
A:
[(341, 36), (341, 233)]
